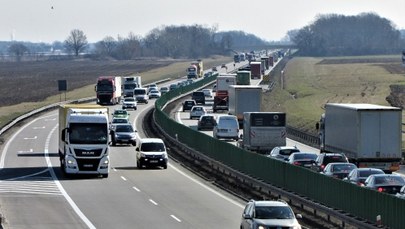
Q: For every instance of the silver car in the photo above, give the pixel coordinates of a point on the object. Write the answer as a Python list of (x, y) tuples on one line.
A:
[(269, 214)]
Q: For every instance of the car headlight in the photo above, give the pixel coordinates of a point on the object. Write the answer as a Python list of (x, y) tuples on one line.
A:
[(261, 227), (142, 155)]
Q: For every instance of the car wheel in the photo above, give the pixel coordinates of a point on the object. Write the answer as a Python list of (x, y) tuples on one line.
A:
[(165, 166), (114, 143), (134, 143), (104, 175), (138, 164), (135, 108), (146, 102)]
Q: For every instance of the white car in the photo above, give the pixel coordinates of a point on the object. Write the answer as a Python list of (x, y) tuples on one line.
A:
[(208, 93), (282, 153), (152, 86), (197, 112), (164, 90), (153, 93), (129, 103)]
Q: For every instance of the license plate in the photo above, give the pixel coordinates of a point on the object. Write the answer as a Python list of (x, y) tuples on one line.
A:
[(88, 165), (154, 161)]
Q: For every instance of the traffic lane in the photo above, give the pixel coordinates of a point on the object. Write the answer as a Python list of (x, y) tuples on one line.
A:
[(148, 187), (23, 153), (27, 183), (184, 118)]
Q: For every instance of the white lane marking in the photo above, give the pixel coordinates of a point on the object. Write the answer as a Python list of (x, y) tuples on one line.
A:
[(50, 119), (24, 151), (62, 190), (174, 217), (153, 202), (114, 169), (36, 128), (33, 138), (208, 188), (136, 189), (123, 178)]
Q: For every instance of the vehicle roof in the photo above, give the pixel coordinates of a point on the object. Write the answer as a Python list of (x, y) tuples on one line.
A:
[(270, 203), (287, 147), (149, 140)]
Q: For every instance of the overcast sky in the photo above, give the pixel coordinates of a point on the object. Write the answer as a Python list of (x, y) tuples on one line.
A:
[(50, 20)]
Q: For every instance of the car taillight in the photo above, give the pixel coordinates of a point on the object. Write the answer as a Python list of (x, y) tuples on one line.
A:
[(380, 189), (322, 167), (296, 163), (360, 184)]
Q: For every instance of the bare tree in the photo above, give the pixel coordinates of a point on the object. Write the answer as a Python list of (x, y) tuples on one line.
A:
[(106, 46), (76, 42), (18, 49)]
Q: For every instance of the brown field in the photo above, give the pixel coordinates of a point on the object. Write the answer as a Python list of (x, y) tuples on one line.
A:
[(29, 85)]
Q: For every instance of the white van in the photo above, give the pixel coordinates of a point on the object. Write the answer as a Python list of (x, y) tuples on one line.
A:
[(151, 152), (227, 127), (141, 95)]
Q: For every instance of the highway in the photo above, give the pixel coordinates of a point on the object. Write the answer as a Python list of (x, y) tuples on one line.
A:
[(34, 193)]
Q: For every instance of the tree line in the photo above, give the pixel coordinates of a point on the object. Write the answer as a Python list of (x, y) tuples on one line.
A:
[(194, 41), (338, 35)]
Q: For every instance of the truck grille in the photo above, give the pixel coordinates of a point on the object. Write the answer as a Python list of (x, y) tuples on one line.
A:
[(88, 153), (88, 164)]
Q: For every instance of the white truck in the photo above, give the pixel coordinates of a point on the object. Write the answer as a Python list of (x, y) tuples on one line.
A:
[(244, 98), (83, 139), (130, 83), (369, 135), (262, 131)]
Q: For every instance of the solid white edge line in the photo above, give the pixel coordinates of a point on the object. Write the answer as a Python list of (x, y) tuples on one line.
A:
[(174, 217), (153, 202), (136, 189), (123, 178)]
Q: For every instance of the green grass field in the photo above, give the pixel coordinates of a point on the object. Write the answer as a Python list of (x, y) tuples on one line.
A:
[(309, 83)]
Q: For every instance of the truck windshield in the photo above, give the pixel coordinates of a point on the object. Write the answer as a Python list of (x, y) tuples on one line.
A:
[(102, 86), (152, 147), (88, 133), (129, 86)]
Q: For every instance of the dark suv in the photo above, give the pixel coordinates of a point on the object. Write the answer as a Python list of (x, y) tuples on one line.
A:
[(188, 104), (325, 158), (198, 97)]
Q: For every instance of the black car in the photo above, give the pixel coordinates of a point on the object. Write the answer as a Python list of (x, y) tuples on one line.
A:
[(206, 122), (198, 97), (338, 170), (359, 175), (387, 183), (302, 159), (188, 104), (325, 158)]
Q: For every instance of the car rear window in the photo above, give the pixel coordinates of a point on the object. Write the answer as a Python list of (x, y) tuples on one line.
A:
[(287, 152), (334, 158), (367, 173)]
